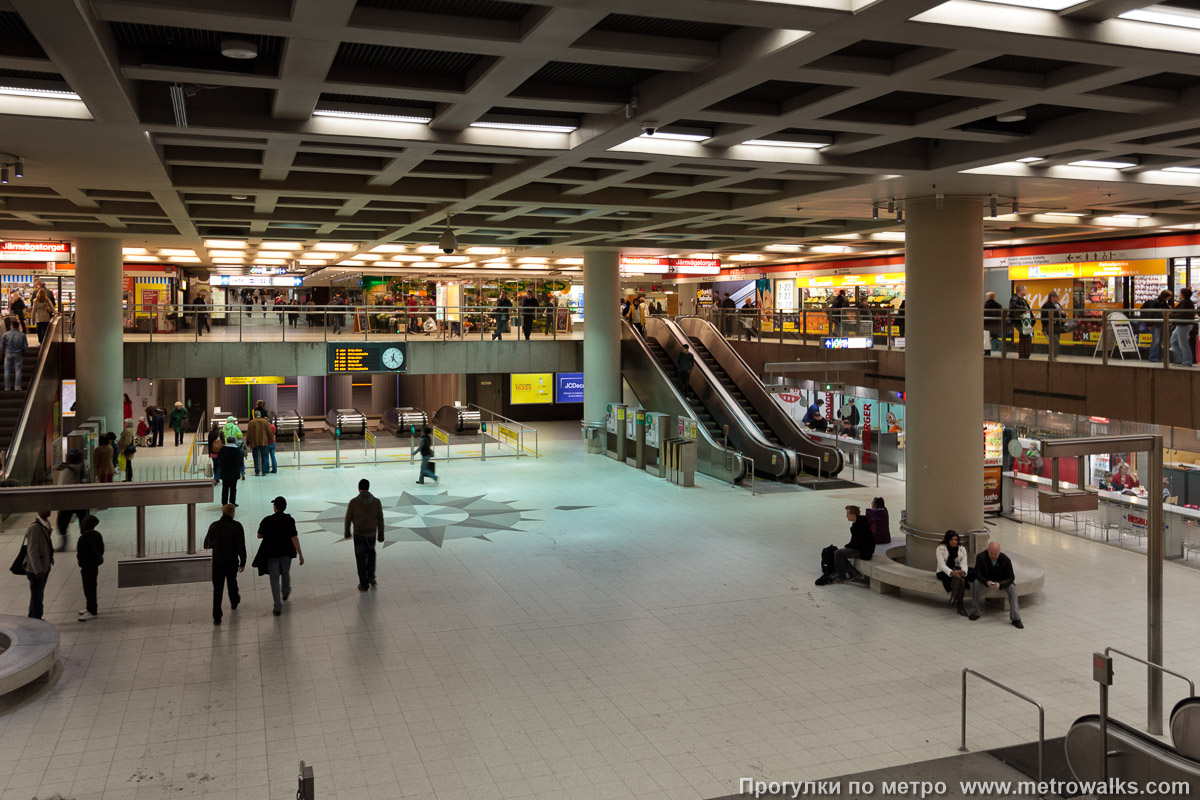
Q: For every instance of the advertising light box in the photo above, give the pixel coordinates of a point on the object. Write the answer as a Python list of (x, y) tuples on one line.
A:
[(568, 387), (530, 388)]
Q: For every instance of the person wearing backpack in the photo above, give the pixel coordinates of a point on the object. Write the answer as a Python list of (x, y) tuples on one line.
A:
[(90, 555), (425, 448)]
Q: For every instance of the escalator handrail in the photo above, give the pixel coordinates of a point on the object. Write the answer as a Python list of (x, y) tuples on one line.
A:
[(732, 407), (50, 343), (1144, 740), (628, 334), (780, 418)]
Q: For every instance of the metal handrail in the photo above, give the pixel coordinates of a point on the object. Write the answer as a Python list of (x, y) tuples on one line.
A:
[(194, 450), (41, 392), (1041, 714), (1191, 684)]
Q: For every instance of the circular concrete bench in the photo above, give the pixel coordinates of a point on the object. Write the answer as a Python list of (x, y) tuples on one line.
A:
[(889, 574), (30, 650)]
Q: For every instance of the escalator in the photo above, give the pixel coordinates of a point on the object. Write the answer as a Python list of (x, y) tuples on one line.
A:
[(1133, 755), (26, 416), (710, 404), (742, 385), (649, 370)]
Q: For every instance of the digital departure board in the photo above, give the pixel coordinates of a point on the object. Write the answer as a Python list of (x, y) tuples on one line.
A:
[(368, 357)]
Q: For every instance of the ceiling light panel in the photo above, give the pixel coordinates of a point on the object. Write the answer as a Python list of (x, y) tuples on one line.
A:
[(1044, 5), (335, 247), (1105, 163), (227, 254), (56, 94), (224, 243), (133, 251), (171, 252), (1165, 15), (413, 117), (280, 246), (531, 127)]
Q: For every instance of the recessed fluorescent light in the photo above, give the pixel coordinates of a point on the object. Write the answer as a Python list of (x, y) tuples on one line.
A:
[(169, 252), (18, 91), (497, 261), (889, 236), (1104, 163), (429, 248), (809, 143), (1030, 159), (133, 251), (846, 236), (336, 247), (532, 127), (312, 262), (274, 262), (1131, 216), (226, 254), (1065, 214), (223, 243), (229, 260), (531, 260), (1165, 15), (832, 248), (784, 248), (408, 258), (140, 258), (279, 246), (568, 261), (1045, 5), (680, 137), (1189, 170), (485, 251), (389, 248), (451, 259), (415, 117), (746, 257), (367, 257), (184, 259)]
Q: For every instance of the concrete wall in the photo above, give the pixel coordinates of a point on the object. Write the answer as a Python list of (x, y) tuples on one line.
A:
[(218, 360), (1135, 394)]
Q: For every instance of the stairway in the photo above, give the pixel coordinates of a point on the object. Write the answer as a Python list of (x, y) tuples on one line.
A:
[(11, 403), (692, 399), (732, 388)]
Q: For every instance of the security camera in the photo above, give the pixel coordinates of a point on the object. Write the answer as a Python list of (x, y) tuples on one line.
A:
[(448, 242), (649, 128)]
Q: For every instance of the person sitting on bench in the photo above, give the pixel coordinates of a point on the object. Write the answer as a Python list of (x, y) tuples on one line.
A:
[(994, 570), (861, 546)]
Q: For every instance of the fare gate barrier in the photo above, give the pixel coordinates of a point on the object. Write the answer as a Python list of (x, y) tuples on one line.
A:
[(681, 461)]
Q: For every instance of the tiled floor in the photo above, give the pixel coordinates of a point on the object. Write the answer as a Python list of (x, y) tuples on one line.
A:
[(657, 642)]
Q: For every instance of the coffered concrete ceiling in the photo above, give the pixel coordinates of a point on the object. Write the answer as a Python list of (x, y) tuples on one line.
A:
[(894, 99)]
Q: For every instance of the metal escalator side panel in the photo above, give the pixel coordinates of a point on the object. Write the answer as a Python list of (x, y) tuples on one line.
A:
[(826, 460), (1185, 726), (657, 392), (23, 457), (769, 458), (1138, 756)]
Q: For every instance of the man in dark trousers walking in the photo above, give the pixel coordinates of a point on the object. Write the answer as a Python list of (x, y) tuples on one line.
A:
[(529, 306), (365, 515), (227, 540), (684, 363), (232, 462), (90, 555)]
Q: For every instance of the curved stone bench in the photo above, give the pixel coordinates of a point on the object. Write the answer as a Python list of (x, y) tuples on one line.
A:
[(888, 576), (30, 651)]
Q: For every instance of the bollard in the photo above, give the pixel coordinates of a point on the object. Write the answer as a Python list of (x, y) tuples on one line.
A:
[(622, 439), (140, 516), (639, 440), (191, 529)]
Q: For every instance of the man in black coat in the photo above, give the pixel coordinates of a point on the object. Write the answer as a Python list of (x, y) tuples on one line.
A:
[(227, 540), (529, 305), (861, 546), (992, 311), (89, 553), (684, 363), (994, 570), (232, 461)]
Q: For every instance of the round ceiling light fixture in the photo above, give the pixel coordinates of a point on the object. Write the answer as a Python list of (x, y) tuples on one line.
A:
[(239, 49), (1017, 115)]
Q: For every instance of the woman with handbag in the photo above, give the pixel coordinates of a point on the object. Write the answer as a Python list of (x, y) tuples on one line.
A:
[(1021, 314), (952, 569), (126, 447)]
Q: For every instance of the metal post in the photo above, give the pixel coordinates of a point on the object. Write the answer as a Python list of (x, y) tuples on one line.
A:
[(141, 531), (1104, 323), (1154, 588), (482, 444), (1104, 731), (191, 528), (337, 450)]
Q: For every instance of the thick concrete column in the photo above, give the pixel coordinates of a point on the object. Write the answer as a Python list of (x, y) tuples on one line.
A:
[(601, 334), (99, 352), (943, 370)]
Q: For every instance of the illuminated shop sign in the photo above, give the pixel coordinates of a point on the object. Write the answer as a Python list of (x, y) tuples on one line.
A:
[(35, 251)]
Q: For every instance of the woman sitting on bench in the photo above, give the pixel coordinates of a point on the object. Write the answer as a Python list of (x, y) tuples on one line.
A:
[(952, 569)]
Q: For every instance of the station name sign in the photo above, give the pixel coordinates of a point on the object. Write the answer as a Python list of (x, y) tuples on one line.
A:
[(663, 264), (35, 251)]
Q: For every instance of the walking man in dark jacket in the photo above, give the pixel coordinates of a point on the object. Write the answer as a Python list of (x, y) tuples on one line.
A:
[(992, 312), (529, 306), (1020, 314), (227, 540), (90, 555), (364, 514), (861, 546), (425, 448), (280, 544), (232, 461), (684, 363), (994, 570)]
